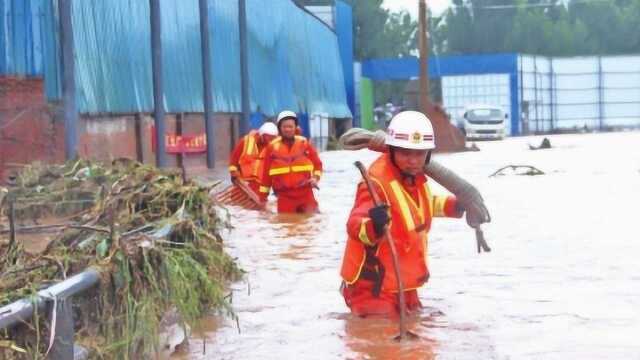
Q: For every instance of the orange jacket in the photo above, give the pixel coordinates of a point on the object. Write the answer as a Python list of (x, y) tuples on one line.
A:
[(245, 158), (289, 167), (411, 207)]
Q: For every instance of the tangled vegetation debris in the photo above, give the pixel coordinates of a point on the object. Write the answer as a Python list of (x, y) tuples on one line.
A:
[(155, 239)]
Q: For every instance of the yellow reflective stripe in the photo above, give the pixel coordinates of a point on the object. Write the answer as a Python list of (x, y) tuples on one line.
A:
[(429, 199), (232, 168), (264, 189), (317, 173), (254, 168), (362, 235), (249, 145), (301, 168), (355, 278), (438, 205), (386, 197), (404, 206), (279, 171)]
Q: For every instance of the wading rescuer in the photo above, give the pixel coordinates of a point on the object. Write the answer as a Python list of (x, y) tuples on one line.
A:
[(245, 162), (370, 286), (291, 167)]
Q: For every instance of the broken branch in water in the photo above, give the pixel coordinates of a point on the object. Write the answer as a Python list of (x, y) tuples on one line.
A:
[(531, 170)]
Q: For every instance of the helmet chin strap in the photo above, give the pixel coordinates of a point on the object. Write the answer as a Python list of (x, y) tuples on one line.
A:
[(406, 177)]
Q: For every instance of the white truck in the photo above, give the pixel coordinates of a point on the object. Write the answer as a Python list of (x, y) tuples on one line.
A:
[(481, 121)]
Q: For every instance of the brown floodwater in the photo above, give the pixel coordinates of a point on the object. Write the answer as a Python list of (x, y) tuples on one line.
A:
[(562, 281)]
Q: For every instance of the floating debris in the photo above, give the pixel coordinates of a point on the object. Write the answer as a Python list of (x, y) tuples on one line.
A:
[(517, 170), (545, 144)]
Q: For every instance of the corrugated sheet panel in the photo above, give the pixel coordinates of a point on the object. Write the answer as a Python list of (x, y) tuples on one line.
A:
[(28, 34), (20, 37), (408, 67), (293, 58), (114, 56), (294, 61)]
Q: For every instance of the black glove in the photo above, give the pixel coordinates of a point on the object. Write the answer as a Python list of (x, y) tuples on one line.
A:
[(380, 217), (234, 176)]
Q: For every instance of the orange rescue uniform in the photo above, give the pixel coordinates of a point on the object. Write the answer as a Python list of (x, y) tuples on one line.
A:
[(245, 160), (370, 285), (288, 167)]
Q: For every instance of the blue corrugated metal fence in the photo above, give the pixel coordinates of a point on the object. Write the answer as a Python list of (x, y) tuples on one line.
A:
[(294, 60)]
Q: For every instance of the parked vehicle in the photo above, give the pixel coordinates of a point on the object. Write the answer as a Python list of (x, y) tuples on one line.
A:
[(481, 121)]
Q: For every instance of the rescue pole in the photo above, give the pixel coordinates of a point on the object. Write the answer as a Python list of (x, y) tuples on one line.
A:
[(394, 254), (480, 241)]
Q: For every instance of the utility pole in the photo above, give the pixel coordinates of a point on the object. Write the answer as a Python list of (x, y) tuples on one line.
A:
[(244, 69), (158, 89), (207, 98), (424, 53), (68, 81)]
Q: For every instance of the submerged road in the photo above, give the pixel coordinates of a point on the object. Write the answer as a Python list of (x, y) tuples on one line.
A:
[(562, 282)]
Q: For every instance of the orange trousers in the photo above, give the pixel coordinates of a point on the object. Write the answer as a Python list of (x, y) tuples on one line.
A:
[(360, 299), (299, 201)]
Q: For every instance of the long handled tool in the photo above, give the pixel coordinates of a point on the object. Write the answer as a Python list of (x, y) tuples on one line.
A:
[(394, 254), (482, 243)]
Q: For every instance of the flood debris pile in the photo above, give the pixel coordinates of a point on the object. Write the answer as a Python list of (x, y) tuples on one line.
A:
[(155, 239)]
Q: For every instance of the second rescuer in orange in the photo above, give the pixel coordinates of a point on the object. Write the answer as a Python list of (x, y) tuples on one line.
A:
[(292, 167), (245, 162), (370, 286)]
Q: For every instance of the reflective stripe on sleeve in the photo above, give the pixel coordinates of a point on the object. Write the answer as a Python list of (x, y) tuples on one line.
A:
[(362, 235), (438, 205)]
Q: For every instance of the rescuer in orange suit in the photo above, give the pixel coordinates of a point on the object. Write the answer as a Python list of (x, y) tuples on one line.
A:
[(292, 167), (245, 162), (369, 282)]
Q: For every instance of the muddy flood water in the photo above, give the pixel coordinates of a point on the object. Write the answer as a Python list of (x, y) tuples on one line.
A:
[(562, 281)]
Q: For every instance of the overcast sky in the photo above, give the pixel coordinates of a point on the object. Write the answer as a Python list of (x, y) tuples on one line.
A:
[(411, 6)]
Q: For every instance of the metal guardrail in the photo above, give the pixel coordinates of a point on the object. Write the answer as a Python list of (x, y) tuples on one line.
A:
[(56, 301)]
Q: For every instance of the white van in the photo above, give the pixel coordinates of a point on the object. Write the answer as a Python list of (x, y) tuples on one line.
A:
[(480, 121)]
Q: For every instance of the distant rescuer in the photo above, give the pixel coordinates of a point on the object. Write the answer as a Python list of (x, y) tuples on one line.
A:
[(292, 167), (245, 162), (369, 283)]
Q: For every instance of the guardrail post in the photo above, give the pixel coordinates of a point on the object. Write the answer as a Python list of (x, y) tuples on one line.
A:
[(61, 320)]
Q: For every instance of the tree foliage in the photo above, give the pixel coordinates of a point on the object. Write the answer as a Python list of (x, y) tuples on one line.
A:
[(545, 27), (541, 27)]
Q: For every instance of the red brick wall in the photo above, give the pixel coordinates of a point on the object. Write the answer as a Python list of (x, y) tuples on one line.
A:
[(28, 131)]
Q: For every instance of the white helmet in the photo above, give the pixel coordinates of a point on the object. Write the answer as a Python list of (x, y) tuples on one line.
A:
[(287, 114), (410, 130), (268, 128)]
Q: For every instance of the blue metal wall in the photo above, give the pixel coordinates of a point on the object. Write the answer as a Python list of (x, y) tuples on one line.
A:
[(294, 60), (27, 40), (407, 68)]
